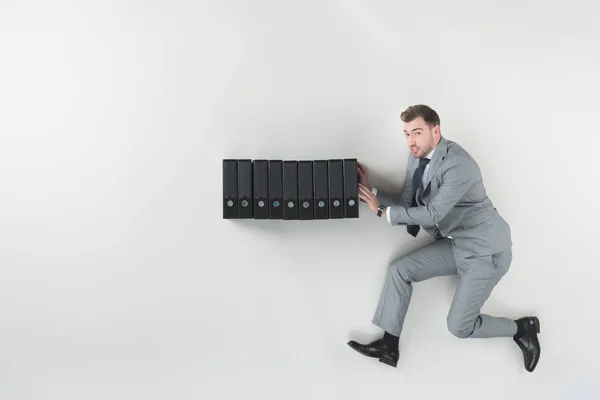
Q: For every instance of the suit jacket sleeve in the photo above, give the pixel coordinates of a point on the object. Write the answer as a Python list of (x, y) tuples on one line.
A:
[(456, 181), (402, 199)]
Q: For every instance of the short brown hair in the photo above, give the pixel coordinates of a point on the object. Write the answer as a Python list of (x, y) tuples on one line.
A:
[(428, 114)]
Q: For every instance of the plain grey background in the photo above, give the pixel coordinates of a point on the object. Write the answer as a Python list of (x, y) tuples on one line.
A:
[(118, 277)]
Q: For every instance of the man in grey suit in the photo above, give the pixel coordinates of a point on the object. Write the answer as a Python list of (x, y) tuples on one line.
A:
[(444, 193)]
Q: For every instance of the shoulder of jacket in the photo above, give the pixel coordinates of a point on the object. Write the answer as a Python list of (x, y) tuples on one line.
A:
[(456, 150), (457, 155)]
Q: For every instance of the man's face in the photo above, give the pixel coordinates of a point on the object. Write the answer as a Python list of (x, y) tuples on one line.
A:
[(420, 138)]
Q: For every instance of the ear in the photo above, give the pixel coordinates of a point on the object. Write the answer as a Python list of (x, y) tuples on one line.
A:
[(436, 130)]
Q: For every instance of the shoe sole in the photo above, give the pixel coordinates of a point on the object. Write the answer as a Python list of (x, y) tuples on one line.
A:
[(388, 362)]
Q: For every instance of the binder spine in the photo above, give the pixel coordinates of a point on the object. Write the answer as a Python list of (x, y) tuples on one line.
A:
[(305, 190), (275, 189), (230, 189), (245, 206), (350, 188), (290, 189), (261, 189), (321, 190), (336, 189)]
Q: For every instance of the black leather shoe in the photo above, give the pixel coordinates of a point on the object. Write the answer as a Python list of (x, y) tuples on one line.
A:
[(528, 343), (377, 349)]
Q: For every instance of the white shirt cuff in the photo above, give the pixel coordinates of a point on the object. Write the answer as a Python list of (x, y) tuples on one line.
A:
[(387, 211)]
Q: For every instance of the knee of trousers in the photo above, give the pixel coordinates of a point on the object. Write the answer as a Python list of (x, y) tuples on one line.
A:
[(460, 329), (399, 269)]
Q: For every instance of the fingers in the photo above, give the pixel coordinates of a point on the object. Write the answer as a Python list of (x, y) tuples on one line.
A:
[(365, 191), (361, 169), (363, 198), (362, 174), (360, 195), (369, 199)]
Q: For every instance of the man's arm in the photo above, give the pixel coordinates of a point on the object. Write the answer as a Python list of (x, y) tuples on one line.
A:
[(387, 198), (456, 182), (402, 199)]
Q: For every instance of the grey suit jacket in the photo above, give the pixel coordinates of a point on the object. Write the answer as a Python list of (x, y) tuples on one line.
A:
[(453, 201)]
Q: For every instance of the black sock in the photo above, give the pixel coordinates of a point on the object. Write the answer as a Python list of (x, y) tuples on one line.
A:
[(520, 329), (391, 340)]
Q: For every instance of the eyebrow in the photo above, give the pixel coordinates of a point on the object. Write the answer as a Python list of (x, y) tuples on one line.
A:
[(416, 129)]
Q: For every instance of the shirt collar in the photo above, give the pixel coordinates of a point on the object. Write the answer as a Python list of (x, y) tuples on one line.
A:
[(431, 152)]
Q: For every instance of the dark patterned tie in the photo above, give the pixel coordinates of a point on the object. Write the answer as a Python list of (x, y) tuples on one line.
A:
[(416, 184)]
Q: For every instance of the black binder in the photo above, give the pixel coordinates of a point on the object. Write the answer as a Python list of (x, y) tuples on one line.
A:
[(290, 189), (336, 189), (275, 189), (261, 189), (350, 188), (245, 189), (321, 189), (230, 189), (305, 190)]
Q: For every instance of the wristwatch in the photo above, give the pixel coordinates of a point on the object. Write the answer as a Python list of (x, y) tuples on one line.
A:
[(380, 210)]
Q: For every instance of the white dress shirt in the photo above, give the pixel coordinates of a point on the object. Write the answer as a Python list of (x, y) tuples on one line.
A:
[(423, 180)]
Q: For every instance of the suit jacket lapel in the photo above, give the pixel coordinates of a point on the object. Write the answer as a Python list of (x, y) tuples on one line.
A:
[(436, 161)]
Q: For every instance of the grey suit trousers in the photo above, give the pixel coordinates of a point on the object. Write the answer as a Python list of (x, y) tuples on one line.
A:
[(478, 275)]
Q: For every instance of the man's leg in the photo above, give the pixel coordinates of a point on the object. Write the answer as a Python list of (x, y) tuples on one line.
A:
[(435, 259), (477, 277)]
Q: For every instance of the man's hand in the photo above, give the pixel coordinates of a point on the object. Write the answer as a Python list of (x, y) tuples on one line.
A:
[(362, 173), (366, 195)]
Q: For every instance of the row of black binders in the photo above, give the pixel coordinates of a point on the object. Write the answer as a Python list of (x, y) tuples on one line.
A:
[(290, 190)]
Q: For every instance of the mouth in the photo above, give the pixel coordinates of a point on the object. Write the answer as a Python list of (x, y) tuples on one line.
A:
[(414, 149)]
